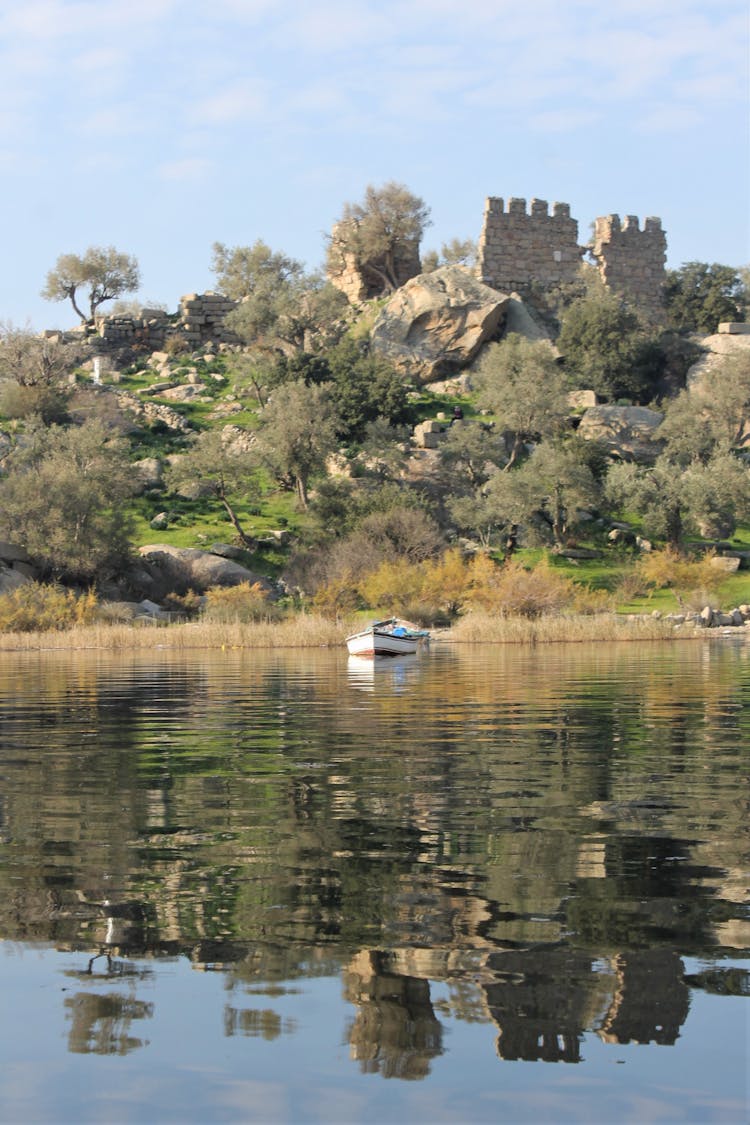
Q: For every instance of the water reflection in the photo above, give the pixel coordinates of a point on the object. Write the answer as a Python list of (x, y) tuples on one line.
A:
[(545, 834)]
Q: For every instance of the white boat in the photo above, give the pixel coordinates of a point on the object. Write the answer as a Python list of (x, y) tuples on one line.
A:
[(386, 638)]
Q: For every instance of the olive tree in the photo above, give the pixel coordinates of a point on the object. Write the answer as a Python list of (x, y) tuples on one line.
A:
[(675, 501), (377, 232), (520, 381), (35, 374), (222, 466), (102, 271), (63, 498), (281, 308), (298, 431)]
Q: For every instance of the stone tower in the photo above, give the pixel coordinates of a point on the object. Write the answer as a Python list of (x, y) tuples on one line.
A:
[(632, 261), (518, 247)]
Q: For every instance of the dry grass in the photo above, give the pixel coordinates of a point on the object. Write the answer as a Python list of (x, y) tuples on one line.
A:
[(316, 631), (302, 631), (482, 628)]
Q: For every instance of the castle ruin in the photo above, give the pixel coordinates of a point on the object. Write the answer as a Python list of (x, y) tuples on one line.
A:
[(361, 280), (517, 246), (631, 261), (521, 247)]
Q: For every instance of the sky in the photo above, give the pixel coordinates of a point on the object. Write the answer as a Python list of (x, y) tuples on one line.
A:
[(162, 126)]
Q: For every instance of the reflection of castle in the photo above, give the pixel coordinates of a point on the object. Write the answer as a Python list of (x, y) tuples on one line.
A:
[(651, 999), (396, 1032), (542, 1000)]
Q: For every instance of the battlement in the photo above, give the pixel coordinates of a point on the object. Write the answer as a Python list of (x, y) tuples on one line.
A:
[(517, 206), (632, 260), (522, 244)]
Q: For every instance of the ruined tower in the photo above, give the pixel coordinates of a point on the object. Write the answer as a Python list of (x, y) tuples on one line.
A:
[(517, 247), (631, 261)]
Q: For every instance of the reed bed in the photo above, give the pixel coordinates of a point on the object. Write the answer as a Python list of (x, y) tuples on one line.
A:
[(316, 631), (301, 631), (482, 628)]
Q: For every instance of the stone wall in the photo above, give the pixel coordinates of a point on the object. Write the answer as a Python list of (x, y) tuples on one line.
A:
[(519, 246), (359, 281), (202, 319), (199, 321), (631, 261)]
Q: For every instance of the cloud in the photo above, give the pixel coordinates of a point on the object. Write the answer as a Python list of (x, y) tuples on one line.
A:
[(670, 119), (245, 98), (565, 120), (189, 169)]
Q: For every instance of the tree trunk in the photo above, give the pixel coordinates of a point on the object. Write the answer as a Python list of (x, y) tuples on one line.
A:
[(514, 453), (244, 539), (674, 529), (82, 316), (302, 492)]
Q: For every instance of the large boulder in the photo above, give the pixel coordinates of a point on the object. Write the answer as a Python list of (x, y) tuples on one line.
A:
[(629, 433), (732, 340), (183, 568), (437, 322), (730, 343)]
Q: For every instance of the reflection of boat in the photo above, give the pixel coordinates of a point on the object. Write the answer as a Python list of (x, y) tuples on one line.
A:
[(391, 637), (369, 673)]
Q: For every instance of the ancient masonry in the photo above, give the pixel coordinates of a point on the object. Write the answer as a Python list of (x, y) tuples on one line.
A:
[(631, 261), (200, 321), (519, 248), (359, 281)]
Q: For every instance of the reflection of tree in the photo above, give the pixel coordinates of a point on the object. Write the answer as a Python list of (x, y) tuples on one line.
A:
[(100, 1024), (256, 1023), (395, 1032), (241, 814)]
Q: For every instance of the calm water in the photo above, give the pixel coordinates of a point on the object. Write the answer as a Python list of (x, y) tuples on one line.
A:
[(480, 884)]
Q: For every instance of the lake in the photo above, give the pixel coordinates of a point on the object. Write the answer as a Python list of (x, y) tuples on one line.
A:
[(485, 883)]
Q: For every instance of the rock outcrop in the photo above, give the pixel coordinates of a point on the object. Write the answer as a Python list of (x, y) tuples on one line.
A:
[(175, 567), (627, 432), (16, 567), (730, 343), (437, 323)]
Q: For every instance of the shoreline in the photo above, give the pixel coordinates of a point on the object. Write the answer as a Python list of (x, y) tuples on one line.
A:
[(314, 631)]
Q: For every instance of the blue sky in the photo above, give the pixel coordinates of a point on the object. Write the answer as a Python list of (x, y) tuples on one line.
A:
[(162, 126)]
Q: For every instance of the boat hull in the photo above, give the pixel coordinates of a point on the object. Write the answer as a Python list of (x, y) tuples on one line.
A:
[(376, 642)]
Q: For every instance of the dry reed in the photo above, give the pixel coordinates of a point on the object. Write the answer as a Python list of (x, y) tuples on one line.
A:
[(482, 628), (301, 631), (316, 631)]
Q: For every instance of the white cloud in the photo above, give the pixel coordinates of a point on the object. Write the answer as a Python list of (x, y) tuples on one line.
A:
[(670, 119), (564, 120), (188, 169), (243, 99)]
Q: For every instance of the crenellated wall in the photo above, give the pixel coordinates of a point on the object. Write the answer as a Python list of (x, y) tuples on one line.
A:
[(518, 246), (632, 261)]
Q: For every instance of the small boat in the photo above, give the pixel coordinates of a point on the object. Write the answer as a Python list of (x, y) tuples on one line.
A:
[(391, 637)]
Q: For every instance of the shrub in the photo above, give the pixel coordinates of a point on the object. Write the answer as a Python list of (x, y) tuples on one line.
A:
[(690, 580), (513, 591), (36, 607), (243, 603), (339, 595)]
